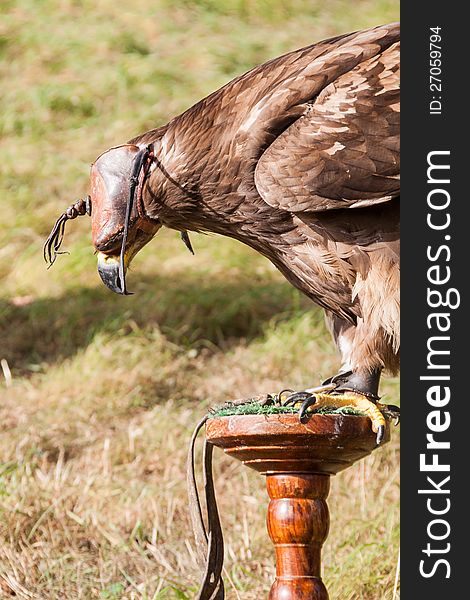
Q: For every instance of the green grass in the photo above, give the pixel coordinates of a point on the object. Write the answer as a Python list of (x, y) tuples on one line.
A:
[(104, 390), (255, 408)]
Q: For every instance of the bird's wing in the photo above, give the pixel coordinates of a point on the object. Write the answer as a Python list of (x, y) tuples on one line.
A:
[(343, 150)]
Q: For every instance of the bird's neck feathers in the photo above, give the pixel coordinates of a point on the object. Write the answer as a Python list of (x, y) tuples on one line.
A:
[(172, 193), (195, 189)]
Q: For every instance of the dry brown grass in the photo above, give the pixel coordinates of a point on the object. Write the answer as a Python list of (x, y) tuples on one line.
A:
[(95, 506), (93, 499)]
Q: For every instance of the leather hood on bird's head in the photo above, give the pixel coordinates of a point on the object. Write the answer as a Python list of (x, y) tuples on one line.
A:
[(110, 182)]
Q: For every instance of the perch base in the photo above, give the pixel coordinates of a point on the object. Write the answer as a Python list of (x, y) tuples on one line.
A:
[(298, 460)]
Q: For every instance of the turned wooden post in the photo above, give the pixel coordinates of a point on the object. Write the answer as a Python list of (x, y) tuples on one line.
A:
[(298, 523), (298, 460)]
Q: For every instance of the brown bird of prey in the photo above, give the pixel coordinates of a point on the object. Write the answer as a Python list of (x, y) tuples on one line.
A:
[(298, 159)]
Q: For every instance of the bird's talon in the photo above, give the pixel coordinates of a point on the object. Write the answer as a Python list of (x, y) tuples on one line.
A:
[(336, 400), (296, 397), (327, 396), (380, 434), (391, 411), (281, 394), (305, 405)]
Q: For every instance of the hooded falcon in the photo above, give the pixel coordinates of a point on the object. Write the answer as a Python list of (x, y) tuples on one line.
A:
[(298, 159)]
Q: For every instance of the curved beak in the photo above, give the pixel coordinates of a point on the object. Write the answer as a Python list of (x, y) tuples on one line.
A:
[(109, 270)]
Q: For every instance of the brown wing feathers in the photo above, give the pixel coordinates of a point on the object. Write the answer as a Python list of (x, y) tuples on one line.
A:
[(344, 150)]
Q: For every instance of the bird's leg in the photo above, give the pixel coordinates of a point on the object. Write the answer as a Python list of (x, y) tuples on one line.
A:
[(357, 389), (362, 381)]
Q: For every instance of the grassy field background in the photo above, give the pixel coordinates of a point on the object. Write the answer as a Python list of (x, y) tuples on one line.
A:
[(99, 393)]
